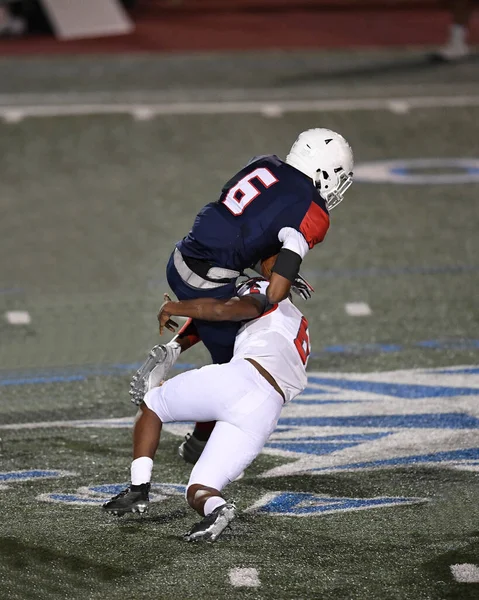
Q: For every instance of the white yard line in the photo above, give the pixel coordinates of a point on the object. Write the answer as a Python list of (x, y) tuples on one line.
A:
[(465, 573), (358, 309), (142, 111), (244, 577)]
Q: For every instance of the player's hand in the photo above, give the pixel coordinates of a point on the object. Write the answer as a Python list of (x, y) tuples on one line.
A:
[(164, 316), (302, 288)]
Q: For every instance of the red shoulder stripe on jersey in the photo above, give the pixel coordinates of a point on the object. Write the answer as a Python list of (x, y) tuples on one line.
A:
[(272, 309), (314, 225)]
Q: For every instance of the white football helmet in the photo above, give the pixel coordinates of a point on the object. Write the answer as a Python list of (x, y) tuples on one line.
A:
[(327, 158)]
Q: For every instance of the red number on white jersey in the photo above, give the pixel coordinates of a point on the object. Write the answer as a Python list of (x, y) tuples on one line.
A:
[(302, 341), (244, 192)]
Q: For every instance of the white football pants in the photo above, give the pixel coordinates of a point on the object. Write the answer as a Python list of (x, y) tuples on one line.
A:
[(244, 405)]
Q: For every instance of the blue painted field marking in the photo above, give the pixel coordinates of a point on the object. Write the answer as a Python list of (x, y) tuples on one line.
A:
[(398, 390), (322, 445), (97, 495), (68, 374), (317, 448), (415, 421), (468, 454), (312, 391), (33, 474), (73, 499), (33, 380), (464, 371), (298, 504), (449, 345), (313, 402), (111, 489), (10, 477), (358, 438), (359, 348), (74, 374)]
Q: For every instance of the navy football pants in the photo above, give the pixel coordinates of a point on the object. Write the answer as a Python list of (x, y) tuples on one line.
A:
[(217, 336)]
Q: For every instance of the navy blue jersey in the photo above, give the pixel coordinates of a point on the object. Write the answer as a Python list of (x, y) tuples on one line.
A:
[(242, 226)]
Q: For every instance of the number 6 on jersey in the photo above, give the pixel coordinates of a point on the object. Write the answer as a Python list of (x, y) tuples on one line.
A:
[(302, 341), (244, 192)]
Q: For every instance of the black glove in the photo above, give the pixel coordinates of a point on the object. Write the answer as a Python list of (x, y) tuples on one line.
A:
[(302, 288)]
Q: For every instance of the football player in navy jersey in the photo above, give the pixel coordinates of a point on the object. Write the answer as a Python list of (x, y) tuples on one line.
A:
[(270, 207)]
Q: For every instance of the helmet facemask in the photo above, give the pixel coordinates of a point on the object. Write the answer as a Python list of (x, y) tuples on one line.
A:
[(332, 189)]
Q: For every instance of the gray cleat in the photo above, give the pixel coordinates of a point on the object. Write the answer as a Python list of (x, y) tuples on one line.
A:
[(154, 370), (213, 525)]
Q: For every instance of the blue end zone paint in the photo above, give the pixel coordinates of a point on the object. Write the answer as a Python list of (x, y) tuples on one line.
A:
[(469, 454), (32, 380), (68, 374), (315, 402), (302, 504), (398, 390), (75, 374), (316, 447), (313, 391), (349, 437), (112, 489), (385, 348), (97, 495), (359, 348), (23, 475), (465, 371), (421, 421), (449, 345), (71, 498), (327, 444)]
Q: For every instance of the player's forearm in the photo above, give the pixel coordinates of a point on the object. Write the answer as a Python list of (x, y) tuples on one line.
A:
[(211, 309), (285, 271), (278, 289)]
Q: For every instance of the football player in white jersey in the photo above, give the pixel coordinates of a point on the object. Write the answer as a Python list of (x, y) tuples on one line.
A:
[(244, 397)]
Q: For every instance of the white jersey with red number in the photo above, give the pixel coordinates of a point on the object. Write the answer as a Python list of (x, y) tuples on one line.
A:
[(278, 340)]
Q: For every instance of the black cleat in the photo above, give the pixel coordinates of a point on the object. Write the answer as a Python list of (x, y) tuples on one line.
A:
[(213, 525), (190, 450), (132, 500)]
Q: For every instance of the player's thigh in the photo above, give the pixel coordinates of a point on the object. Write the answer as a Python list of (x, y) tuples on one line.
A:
[(185, 397), (199, 395), (231, 447)]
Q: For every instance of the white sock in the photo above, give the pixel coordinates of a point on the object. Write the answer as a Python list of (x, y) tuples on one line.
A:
[(457, 35), (212, 503), (141, 469)]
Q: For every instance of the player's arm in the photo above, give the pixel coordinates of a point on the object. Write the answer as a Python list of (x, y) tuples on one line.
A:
[(286, 268), (209, 309)]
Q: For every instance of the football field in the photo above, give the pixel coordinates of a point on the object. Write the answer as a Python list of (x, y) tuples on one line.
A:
[(368, 489)]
